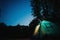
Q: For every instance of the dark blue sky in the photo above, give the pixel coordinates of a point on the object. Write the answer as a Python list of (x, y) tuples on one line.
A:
[(13, 12)]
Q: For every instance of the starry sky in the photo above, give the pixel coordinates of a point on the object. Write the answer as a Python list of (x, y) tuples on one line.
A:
[(13, 12)]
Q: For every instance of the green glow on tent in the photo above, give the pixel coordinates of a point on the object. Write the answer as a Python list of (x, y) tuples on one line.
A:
[(47, 27)]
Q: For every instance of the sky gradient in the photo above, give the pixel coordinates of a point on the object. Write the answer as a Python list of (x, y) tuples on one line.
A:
[(13, 12)]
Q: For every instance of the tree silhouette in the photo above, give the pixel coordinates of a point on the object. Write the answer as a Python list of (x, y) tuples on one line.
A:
[(36, 8), (50, 9), (18, 31)]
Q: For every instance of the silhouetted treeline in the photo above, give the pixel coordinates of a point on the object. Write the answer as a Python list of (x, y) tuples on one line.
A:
[(17, 31)]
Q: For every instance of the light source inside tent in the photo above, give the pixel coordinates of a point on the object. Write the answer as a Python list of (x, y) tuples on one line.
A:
[(46, 27)]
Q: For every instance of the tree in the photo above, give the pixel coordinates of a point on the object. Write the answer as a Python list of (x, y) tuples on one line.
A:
[(36, 8)]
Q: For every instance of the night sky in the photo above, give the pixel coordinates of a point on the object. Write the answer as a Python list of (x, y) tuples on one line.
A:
[(13, 12)]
